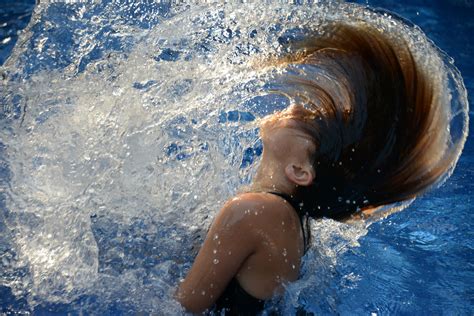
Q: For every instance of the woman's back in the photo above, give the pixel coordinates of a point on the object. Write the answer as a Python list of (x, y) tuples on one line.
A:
[(258, 239), (279, 250)]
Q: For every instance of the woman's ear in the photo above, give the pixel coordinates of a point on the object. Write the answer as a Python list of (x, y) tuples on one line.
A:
[(300, 174)]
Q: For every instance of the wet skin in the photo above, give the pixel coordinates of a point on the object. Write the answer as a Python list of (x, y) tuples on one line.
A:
[(256, 237)]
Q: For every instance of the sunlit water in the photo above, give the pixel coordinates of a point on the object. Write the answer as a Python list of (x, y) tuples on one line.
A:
[(125, 126)]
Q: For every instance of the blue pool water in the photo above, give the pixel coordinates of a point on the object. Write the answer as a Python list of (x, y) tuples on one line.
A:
[(109, 163)]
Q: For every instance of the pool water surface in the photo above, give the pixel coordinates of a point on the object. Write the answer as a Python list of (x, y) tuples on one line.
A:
[(125, 124)]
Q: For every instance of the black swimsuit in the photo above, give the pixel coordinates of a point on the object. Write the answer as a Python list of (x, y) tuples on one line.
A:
[(235, 300)]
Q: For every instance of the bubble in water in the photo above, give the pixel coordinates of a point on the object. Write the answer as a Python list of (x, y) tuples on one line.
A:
[(215, 261)]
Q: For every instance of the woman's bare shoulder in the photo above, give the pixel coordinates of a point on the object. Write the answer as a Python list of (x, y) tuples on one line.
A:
[(256, 200), (256, 206)]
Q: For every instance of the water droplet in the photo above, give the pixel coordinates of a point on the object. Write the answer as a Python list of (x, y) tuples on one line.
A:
[(215, 237), (203, 293), (283, 223), (229, 253), (284, 253), (256, 213), (348, 202), (214, 251), (6, 40), (293, 266)]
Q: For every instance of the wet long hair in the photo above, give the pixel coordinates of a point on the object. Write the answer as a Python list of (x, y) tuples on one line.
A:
[(377, 119)]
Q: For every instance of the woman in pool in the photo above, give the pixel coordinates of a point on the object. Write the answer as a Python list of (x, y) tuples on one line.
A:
[(367, 128)]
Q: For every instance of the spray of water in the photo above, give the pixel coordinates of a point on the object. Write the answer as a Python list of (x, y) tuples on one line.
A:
[(124, 128)]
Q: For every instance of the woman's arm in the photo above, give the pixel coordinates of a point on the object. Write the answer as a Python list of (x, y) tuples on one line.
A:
[(229, 242)]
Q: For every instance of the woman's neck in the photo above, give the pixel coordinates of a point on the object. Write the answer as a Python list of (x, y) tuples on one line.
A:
[(271, 177)]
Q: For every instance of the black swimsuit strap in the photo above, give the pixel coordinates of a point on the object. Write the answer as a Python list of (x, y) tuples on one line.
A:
[(293, 202), (298, 206)]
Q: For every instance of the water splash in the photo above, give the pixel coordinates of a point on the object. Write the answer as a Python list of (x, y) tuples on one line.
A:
[(125, 126)]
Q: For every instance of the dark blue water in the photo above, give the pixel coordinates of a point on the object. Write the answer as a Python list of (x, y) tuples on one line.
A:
[(419, 261), (423, 257), (14, 16)]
